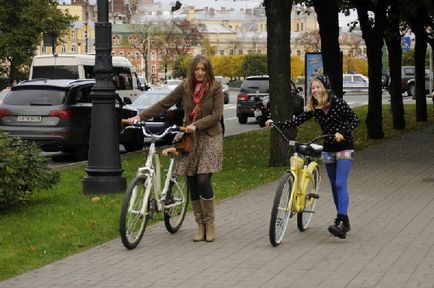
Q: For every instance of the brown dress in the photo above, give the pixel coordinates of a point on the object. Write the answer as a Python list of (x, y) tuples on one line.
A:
[(206, 157)]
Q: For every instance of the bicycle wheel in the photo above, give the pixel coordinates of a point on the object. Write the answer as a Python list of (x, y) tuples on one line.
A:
[(132, 222), (176, 204), (281, 211), (303, 218)]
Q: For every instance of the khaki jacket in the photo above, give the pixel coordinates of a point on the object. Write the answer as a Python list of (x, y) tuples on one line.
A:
[(211, 108)]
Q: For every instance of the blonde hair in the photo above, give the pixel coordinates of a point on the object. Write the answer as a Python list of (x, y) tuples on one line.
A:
[(323, 100), (190, 84)]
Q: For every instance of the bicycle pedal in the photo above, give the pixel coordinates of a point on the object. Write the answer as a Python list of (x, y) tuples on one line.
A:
[(313, 195)]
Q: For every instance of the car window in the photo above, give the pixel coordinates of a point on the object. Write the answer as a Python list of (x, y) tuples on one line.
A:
[(358, 79), (409, 71), (35, 97), (148, 99), (122, 78), (82, 95), (221, 80), (347, 78), (253, 85), (56, 72)]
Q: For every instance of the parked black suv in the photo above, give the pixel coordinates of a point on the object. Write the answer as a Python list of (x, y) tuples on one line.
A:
[(408, 74), (254, 86), (56, 115)]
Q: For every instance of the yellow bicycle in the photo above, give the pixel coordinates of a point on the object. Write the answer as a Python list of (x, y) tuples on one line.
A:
[(298, 189)]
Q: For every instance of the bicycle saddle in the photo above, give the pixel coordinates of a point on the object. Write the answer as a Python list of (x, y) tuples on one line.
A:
[(310, 150)]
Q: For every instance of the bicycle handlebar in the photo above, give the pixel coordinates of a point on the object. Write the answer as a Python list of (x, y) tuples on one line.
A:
[(144, 125), (294, 142)]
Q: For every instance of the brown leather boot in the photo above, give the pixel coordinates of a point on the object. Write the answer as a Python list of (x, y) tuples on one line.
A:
[(208, 218), (198, 215)]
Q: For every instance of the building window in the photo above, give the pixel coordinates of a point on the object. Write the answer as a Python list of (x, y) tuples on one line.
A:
[(43, 49), (240, 52), (121, 53), (222, 52), (153, 56), (73, 34), (301, 28), (298, 28), (153, 70), (160, 56), (129, 55), (231, 52), (63, 48), (298, 53), (249, 52), (74, 48), (137, 55)]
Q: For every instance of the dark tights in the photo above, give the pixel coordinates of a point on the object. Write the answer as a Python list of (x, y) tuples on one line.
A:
[(200, 186)]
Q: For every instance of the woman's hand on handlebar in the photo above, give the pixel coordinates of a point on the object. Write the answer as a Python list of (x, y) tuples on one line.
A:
[(190, 128), (130, 121), (269, 123)]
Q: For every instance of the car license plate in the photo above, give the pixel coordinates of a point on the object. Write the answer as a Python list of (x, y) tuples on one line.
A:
[(29, 118), (257, 113)]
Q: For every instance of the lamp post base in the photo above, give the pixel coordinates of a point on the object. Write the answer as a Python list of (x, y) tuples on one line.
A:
[(103, 184)]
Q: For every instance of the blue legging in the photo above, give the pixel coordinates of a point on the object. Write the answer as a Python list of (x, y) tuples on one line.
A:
[(338, 173)]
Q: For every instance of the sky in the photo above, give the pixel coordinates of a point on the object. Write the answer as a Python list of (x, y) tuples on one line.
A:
[(202, 3), (238, 4)]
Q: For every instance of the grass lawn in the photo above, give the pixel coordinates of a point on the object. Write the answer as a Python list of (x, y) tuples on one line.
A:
[(63, 221)]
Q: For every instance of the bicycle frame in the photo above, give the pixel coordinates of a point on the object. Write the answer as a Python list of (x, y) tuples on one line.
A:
[(302, 171)]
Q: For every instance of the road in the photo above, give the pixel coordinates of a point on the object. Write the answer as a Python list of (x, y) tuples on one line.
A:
[(354, 99)]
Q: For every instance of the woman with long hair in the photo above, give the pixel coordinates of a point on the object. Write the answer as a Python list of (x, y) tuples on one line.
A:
[(203, 99)]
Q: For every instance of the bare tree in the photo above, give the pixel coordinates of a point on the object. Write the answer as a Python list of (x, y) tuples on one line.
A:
[(310, 41)]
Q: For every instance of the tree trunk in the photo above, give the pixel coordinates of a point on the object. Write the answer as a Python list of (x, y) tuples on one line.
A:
[(373, 36), (393, 40), (278, 57), (327, 15), (419, 59)]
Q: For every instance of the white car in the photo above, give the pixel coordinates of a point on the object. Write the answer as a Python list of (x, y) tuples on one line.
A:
[(173, 83), (355, 82)]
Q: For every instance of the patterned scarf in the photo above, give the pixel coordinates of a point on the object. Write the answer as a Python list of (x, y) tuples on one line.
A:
[(199, 92)]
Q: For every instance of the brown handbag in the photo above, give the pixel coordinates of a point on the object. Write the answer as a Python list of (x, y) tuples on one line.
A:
[(185, 145)]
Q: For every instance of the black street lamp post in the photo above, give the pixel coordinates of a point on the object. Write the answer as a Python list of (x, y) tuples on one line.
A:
[(104, 171)]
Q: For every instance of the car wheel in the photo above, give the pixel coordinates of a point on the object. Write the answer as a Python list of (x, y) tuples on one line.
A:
[(242, 119), (226, 99)]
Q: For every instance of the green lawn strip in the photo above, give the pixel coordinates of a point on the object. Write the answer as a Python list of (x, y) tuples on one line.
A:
[(63, 221)]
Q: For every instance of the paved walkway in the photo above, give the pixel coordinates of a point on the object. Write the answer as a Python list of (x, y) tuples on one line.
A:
[(391, 243)]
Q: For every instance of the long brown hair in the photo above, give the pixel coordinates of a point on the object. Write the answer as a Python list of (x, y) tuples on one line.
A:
[(190, 84), (323, 101)]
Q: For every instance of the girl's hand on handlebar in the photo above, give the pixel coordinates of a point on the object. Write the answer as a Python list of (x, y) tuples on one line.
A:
[(269, 123), (132, 119), (339, 137)]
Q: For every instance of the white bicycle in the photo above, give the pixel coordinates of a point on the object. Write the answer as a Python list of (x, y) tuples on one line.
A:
[(144, 198)]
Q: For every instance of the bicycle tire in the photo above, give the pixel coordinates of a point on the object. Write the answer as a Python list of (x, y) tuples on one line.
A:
[(174, 217), (278, 224), (304, 217), (133, 225)]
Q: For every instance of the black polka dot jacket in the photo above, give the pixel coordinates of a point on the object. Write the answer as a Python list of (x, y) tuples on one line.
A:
[(340, 118)]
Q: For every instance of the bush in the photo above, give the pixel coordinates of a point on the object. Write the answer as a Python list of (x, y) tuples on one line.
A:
[(22, 171)]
